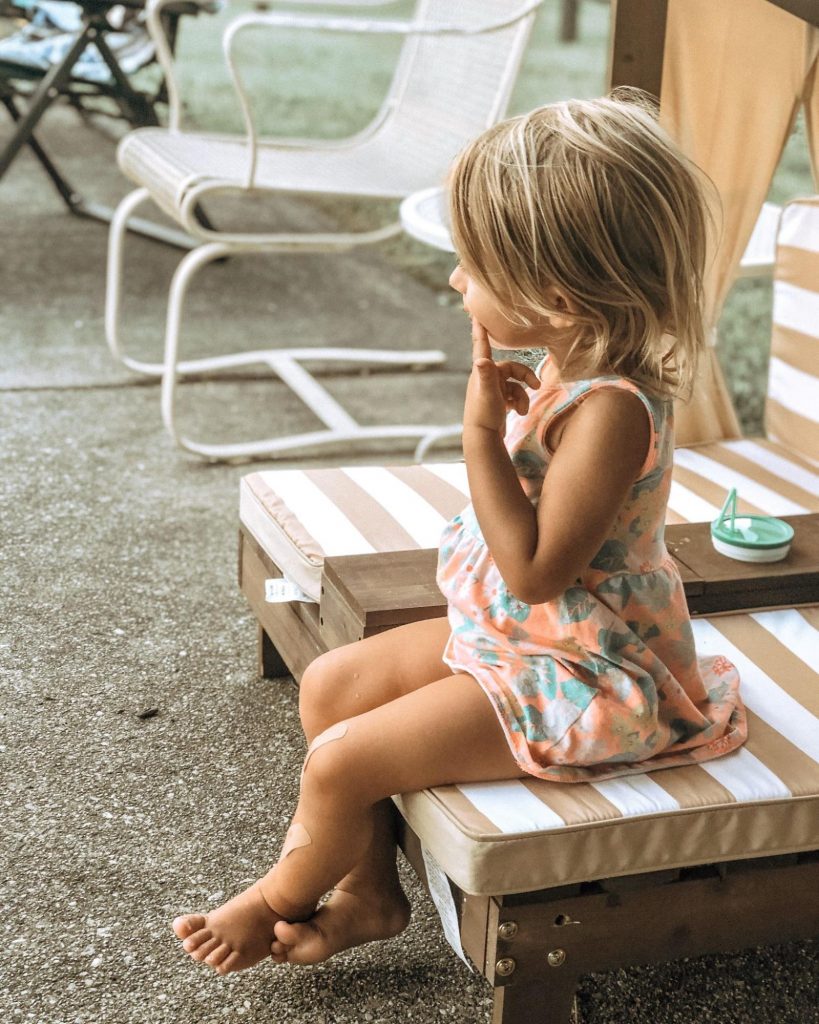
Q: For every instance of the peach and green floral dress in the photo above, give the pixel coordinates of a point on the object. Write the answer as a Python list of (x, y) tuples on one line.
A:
[(604, 680)]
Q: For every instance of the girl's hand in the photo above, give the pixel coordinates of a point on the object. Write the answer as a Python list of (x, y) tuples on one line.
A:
[(494, 388)]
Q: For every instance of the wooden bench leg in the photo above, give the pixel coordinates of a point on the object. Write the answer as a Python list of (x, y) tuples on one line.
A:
[(271, 664), (546, 1002)]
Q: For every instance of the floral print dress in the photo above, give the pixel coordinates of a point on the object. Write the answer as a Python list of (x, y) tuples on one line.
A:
[(604, 680)]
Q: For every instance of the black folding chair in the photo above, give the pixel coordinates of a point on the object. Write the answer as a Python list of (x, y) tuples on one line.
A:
[(42, 87)]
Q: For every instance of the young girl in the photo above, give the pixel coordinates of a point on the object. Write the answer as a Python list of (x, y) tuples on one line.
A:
[(567, 653)]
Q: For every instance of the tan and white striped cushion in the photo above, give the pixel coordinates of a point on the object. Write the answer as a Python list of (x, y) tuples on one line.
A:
[(298, 516), (505, 837), (769, 479), (517, 836), (792, 408)]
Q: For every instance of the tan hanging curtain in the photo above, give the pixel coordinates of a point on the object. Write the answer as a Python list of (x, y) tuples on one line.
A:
[(734, 75)]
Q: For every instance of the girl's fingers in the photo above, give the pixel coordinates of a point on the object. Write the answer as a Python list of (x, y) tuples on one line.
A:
[(481, 349), (516, 397), (485, 367), (520, 372)]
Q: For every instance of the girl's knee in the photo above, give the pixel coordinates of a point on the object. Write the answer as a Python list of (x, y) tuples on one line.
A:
[(323, 691), (333, 767)]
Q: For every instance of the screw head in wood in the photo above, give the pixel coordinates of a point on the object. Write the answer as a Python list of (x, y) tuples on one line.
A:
[(505, 966), (508, 930), (556, 957)]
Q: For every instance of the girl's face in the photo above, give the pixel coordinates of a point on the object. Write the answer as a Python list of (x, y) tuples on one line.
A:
[(482, 306)]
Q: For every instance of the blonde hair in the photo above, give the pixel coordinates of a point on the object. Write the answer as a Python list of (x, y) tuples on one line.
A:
[(591, 196)]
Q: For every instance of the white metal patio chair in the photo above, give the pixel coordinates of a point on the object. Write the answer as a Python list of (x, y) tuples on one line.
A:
[(454, 75)]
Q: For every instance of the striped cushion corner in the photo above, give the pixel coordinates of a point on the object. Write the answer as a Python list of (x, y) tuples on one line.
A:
[(769, 478), (762, 799), (791, 413), (350, 510)]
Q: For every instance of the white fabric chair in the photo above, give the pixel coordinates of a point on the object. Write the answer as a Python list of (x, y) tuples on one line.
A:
[(455, 72)]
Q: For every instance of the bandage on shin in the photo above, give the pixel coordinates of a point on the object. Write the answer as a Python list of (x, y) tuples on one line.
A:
[(335, 732), (297, 836)]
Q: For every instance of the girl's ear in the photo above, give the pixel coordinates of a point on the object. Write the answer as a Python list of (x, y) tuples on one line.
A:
[(564, 305)]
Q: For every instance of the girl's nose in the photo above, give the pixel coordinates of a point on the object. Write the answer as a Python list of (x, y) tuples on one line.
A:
[(457, 279)]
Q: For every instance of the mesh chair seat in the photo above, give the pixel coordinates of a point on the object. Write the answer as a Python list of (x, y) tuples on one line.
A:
[(170, 164)]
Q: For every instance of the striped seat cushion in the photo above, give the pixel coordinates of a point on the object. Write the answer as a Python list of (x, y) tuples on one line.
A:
[(298, 516), (518, 836), (792, 410)]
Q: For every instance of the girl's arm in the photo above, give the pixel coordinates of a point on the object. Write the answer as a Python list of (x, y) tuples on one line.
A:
[(540, 552)]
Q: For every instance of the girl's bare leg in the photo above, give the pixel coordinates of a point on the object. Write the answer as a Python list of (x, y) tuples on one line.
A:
[(369, 902), (341, 684), (445, 732)]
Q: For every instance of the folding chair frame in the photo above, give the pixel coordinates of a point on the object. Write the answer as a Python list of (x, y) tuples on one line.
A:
[(137, 107)]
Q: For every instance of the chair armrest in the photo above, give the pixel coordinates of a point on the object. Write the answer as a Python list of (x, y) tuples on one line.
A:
[(154, 9), (334, 23)]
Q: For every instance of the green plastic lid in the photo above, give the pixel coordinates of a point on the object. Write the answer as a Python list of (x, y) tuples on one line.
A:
[(749, 531)]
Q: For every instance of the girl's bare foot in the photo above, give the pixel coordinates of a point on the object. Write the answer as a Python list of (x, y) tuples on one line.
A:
[(349, 918), (233, 937)]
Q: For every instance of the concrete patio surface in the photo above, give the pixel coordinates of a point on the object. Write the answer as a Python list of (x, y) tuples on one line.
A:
[(146, 769)]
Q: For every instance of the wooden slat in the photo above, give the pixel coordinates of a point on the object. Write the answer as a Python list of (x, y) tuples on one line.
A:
[(807, 10), (637, 44), (371, 592), (689, 917), (389, 588), (293, 627), (729, 584)]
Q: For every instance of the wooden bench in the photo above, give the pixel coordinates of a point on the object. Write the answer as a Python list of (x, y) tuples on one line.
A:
[(534, 945)]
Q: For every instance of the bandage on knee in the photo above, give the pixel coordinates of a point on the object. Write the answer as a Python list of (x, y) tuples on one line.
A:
[(335, 732), (297, 836)]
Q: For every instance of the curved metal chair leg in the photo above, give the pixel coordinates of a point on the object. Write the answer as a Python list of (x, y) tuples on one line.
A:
[(187, 269), (113, 287), (286, 363)]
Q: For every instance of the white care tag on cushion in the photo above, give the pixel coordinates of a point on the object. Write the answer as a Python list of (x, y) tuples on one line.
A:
[(282, 591), (442, 898)]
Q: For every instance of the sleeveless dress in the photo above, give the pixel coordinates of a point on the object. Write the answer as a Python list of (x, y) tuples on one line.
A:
[(604, 680)]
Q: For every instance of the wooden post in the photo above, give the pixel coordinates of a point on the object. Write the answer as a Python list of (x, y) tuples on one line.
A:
[(568, 20), (807, 10), (637, 44), (548, 1002)]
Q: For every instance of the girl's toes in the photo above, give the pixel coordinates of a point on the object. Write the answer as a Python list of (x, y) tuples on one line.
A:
[(218, 955), (286, 933), (187, 924), (193, 942), (203, 951), (228, 964), (278, 952)]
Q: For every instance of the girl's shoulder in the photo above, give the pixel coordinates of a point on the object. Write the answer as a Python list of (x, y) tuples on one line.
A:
[(611, 390), (616, 408)]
